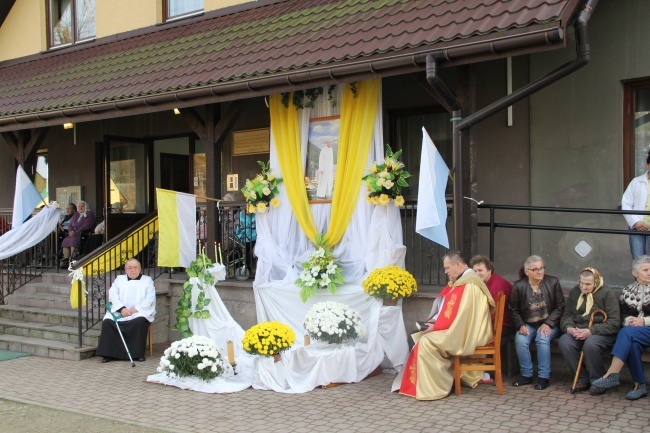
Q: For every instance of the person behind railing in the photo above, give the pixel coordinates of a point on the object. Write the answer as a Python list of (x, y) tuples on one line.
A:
[(459, 322), (245, 231), (591, 294), (635, 198), (634, 336), (96, 238), (70, 209), (82, 220), (536, 304), (134, 297), (4, 226)]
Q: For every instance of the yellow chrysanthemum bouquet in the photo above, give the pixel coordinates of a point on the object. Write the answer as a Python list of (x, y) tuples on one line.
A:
[(268, 338), (386, 180), (261, 192), (390, 282)]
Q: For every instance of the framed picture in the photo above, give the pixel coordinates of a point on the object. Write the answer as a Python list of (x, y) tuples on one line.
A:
[(323, 141)]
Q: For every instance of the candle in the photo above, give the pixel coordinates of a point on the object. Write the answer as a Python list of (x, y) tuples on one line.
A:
[(231, 353), (216, 257), (307, 340), (203, 257), (199, 245), (220, 256)]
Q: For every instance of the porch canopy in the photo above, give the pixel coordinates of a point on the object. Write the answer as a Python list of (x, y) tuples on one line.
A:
[(267, 47)]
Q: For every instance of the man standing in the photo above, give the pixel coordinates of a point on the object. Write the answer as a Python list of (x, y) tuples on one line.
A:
[(588, 296), (460, 322), (484, 268), (134, 297), (325, 171)]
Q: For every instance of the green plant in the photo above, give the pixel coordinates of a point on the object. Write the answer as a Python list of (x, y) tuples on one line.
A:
[(198, 269), (319, 272), (385, 181), (262, 190)]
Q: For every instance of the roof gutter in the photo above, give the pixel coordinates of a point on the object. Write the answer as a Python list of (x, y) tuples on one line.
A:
[(454, 54), (449, 101)]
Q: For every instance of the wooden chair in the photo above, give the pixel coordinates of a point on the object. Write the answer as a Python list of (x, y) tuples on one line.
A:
[(150, 339), (485, 358)]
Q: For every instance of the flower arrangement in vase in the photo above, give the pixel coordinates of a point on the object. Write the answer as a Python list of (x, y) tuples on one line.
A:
[(194, 356), (390, 283), (268, 338), (261, 192), (320, 272), (386, 180), (333, 322)]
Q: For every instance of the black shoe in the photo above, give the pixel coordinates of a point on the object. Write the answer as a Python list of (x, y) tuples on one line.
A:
[(581, 387), (522, 380), (64, 263), (594, 390), (542, 383), (105, 359), (140, 359)]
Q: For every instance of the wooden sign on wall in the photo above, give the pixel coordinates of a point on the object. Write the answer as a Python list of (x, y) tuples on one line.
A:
[(251, 142)]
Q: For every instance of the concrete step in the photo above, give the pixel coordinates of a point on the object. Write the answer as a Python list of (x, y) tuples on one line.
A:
[(64, 317), (40, 300), (46, 331), (44, 287), (46, 348), (62, 277)]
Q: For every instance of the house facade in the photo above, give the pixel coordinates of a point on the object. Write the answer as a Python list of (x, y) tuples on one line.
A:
[(574, 139)]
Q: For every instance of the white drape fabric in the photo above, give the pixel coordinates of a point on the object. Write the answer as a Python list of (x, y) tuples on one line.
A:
[(30, 232)]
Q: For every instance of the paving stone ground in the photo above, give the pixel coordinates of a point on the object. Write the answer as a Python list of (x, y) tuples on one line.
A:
[(116, 392)]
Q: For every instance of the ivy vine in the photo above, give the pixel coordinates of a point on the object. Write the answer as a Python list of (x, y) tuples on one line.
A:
[(198, 269)]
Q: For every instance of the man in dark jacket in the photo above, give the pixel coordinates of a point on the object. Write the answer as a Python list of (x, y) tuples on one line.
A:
[(588, 296)]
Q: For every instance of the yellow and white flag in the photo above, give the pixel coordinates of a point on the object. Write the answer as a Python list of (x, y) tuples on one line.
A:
[(177, 228)]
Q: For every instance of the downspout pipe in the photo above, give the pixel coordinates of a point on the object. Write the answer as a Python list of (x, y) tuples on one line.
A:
[(449, 101), (451, 104), (583, 57)]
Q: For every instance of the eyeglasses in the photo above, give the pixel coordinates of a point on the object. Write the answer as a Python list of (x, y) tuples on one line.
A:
[(536, 270)]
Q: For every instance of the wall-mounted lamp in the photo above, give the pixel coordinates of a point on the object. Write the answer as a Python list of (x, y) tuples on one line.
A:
[(68, 125), (177, 111), (74, 131)]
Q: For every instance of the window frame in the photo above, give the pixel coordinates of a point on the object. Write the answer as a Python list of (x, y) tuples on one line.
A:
[(167, 18), (630, 89), (73, 27)]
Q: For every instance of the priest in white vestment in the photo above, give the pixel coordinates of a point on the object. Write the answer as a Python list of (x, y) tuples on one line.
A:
[(133, 296), (325, 171)]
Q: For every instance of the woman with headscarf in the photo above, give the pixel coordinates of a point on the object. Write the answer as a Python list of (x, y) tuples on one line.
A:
[(591, 294), (634, 336)]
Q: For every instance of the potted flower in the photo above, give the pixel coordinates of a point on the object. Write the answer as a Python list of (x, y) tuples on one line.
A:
[(268, 339), (390, 283), (333, 322), (262, 190), (320, 272), (194, 356), (385, 181)]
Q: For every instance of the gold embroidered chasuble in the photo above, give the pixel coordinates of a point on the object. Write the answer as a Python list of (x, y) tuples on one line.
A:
[(432, 369)]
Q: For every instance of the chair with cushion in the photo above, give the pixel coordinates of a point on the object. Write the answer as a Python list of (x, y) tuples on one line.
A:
[(485, 358)]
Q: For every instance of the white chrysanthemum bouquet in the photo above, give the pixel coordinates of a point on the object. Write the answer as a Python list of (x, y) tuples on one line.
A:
[(194, 356), (320, 272), (333, 322)]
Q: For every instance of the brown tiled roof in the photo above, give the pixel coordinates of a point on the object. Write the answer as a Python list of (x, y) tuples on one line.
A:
[(267, 47)]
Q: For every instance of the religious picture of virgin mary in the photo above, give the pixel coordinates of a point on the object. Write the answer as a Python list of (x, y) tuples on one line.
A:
[(321, 157)]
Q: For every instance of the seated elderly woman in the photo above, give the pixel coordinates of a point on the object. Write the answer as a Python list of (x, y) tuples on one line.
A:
[(536, 305), (81, 220), (634, 336)]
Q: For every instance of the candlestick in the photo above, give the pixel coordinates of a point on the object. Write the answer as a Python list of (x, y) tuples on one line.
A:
[(216, 257), (231, 353), (307, 341)]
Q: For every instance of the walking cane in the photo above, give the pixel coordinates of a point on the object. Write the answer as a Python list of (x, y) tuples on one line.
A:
[(119, 331), (582, 353)]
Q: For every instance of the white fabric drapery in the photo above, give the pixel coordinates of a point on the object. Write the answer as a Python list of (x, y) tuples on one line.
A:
[(30, 232)]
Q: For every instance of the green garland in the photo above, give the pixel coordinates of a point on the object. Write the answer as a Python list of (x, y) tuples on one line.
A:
[(199, 269)]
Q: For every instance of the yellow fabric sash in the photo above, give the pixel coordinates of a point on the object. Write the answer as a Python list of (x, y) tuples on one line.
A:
[(356, 128)]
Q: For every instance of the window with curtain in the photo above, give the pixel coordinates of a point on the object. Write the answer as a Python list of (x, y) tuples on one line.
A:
[(636, 128), (71, 21), (406, 134), (180, 8)]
